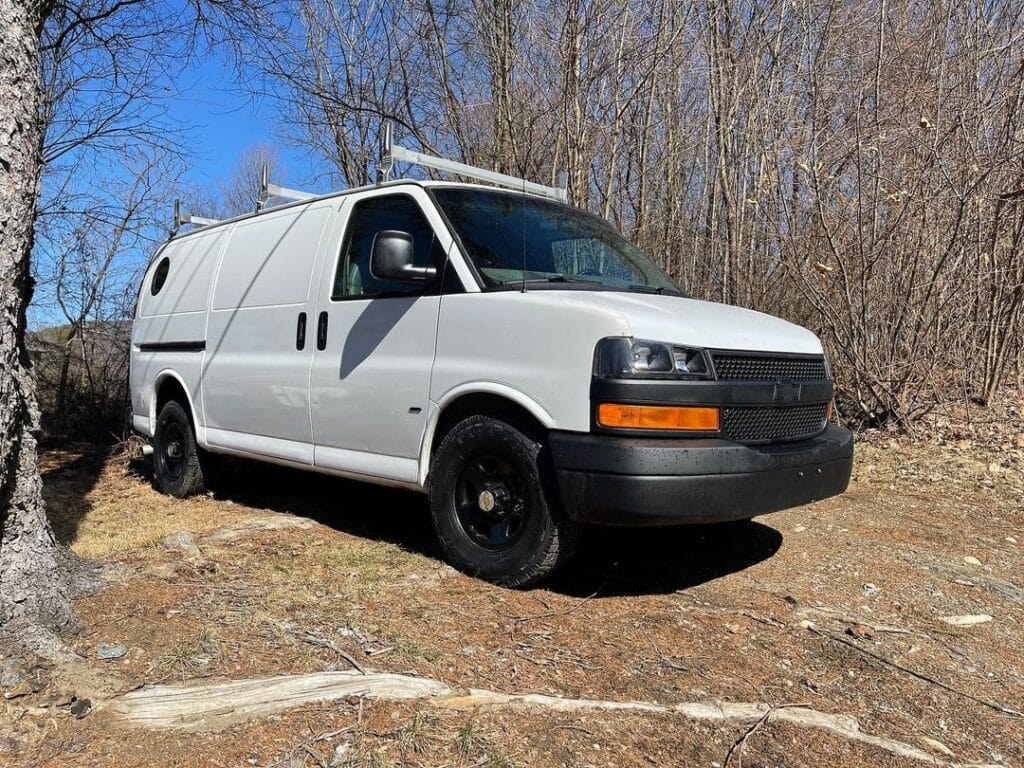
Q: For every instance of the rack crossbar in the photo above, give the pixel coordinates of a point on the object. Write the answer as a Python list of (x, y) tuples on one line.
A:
[(201, 221), (392, 153), (273, 190)]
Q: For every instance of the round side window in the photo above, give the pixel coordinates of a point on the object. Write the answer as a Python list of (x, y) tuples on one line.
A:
[(160, 275)]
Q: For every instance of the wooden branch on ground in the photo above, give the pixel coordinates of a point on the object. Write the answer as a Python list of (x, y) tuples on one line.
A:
[(215, 706)]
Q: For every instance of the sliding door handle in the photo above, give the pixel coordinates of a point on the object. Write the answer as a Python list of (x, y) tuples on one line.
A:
[(321, 332), (300, 332)]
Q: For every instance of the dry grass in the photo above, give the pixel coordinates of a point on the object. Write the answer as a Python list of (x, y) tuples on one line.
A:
[(104, 508)]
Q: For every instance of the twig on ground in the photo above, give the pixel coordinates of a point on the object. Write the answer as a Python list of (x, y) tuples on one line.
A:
[(740, 743), (323, 642), (569, 727), (920, 675), (552, 614)]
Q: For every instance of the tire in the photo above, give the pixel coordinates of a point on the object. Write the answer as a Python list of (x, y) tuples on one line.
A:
[(177, 458), (495, 506)]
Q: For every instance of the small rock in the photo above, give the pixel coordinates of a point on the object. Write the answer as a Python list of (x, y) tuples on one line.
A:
[(938, 746), (799, 528), (24, 688), (61, 698), (12, 673), (870, 590), (806, 624), (179, 541), (80, 708), (861, 632), (968, 620), (110, 651), (1011, 540), (339, 753), (972, 560)]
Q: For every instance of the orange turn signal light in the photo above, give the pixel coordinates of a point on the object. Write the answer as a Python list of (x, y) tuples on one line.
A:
[(690, 418)]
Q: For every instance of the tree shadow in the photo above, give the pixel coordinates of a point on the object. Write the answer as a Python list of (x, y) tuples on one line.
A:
[(609, 561), (69, 473)]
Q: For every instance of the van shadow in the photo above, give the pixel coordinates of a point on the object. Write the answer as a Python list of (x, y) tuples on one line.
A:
[(609, 561), (642, 561)]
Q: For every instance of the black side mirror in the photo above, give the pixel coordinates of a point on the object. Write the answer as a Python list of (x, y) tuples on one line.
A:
[(392, 256)]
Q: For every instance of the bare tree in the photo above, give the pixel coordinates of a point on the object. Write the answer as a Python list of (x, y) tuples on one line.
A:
[(35, 585), (94, 261), (239, 191)]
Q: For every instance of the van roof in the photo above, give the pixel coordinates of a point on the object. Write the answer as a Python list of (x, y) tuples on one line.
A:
[(425, 183)]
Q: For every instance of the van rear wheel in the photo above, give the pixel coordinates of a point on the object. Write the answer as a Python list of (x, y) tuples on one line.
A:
[(495, 507), (177, 459)]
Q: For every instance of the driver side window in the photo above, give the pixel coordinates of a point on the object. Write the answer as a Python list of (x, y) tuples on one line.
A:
[(352, 277)]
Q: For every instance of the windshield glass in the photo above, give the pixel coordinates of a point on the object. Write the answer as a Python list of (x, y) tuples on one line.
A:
[(504, 231)]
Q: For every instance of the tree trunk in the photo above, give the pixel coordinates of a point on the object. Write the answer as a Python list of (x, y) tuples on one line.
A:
[(35, 574)]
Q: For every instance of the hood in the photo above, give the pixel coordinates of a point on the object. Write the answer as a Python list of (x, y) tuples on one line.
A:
[(698, 323)]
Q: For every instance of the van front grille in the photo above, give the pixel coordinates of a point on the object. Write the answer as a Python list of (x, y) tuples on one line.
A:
[(733, 366), (770, 423)]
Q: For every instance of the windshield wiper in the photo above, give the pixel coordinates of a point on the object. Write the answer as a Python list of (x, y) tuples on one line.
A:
[(658, 289), (552, 279)]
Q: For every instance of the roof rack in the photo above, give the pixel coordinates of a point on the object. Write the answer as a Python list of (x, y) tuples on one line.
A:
[(392, 153), (179, 219), (269, 190)]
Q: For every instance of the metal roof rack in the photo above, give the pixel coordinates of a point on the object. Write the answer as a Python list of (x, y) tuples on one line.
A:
[(269, 190), (179, 219), (392, 153)]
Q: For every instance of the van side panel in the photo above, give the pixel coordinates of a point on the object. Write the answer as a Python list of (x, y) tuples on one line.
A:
[(256, 379), (169, 332)]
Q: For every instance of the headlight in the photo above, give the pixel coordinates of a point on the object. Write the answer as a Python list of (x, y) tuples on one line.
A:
[(617, 358)]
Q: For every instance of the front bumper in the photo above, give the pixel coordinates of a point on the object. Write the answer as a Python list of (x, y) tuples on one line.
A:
[(614, 480)]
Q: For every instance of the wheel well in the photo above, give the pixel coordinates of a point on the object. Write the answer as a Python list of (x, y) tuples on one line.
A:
[(170, 389), (483, 404)]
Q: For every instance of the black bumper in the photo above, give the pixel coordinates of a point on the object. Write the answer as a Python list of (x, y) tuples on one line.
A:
[(643, 481)]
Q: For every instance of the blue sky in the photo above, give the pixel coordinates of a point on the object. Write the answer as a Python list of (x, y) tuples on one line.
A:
[(223, 121)]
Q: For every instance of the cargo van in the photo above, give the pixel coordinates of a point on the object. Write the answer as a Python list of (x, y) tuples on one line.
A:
[(512, 357)]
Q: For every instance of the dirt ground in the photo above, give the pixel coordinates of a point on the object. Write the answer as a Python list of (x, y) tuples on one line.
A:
[(838, 606)]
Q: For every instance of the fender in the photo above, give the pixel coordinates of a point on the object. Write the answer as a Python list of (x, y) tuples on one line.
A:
[(475, 388), (170, 373)]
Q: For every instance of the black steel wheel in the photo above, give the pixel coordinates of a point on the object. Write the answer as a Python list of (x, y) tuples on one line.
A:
[(176, 456), (491, 501), (494, 504)]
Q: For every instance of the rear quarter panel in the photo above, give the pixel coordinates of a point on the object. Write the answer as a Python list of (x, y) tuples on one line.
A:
[(177, 313)]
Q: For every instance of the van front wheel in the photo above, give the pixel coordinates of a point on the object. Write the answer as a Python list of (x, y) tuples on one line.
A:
[(495, 508), (176, 456)]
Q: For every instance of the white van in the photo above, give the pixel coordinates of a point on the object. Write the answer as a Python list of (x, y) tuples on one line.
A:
[(513, 357)]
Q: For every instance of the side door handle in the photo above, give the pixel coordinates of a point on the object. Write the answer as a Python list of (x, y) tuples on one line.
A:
[(321, 332), (300, 332)]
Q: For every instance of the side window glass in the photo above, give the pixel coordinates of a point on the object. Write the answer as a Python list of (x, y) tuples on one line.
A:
[(368, 217), (160, 275)]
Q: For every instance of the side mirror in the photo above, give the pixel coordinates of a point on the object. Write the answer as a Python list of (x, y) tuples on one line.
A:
[(392, 256)]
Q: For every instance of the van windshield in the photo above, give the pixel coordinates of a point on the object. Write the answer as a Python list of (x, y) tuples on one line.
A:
[(512, 237)]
